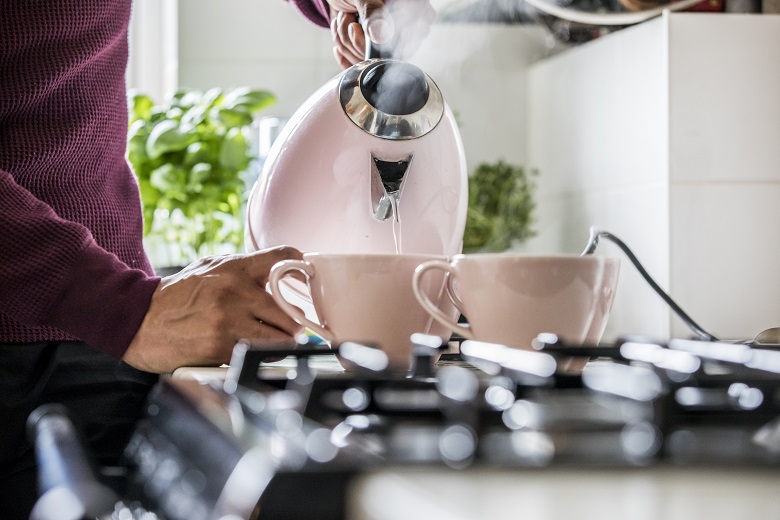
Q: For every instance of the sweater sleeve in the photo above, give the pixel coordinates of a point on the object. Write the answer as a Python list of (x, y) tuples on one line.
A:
[(317, 11), (53, 273)]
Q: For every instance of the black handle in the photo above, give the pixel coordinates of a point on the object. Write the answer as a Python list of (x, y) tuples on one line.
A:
[(375, 50), (67, 485)]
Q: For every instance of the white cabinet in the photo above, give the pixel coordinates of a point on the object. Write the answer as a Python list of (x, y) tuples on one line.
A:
[(667, 134)]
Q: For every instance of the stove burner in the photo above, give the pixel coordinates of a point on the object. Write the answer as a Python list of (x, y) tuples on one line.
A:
[(305, 426)]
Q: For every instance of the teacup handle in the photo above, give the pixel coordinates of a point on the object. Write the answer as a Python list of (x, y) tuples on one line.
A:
[(429, 306), (279, 271)]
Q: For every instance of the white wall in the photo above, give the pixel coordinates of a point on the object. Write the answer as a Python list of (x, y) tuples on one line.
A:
[(724, 118), (259, 43), (482, 71)]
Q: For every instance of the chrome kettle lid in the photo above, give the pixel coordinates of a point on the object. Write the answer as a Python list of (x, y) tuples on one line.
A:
[(391, 99)]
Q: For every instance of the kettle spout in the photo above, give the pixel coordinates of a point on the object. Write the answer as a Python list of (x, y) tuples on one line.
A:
[(384, 209), (386, 180)]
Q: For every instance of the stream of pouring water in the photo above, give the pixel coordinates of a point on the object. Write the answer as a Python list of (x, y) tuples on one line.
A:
[(396, 224)]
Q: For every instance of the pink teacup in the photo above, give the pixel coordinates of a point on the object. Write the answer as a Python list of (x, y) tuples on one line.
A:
[(367, 298), (511, 298)]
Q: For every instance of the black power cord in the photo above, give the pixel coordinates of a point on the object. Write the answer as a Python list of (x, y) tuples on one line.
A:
[(593, 241)]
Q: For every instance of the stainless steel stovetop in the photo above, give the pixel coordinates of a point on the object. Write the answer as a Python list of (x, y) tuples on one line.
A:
[(303, 438)]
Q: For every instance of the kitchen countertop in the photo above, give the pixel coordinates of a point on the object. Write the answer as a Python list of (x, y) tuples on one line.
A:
[(651, 493)]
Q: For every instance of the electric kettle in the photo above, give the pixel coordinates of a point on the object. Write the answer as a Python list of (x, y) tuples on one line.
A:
[(372, 162)]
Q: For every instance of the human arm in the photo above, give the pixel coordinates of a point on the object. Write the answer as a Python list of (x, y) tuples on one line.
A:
[(199, 314), (54, 274)]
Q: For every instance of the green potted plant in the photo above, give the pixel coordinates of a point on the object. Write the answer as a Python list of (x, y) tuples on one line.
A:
[(501, 206), (190, 155)]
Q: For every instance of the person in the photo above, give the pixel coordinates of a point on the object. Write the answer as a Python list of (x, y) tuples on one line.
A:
[(84, 321)]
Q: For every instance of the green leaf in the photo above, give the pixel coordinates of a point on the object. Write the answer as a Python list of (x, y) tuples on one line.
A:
[(230, 117), (188, 100), (189, 155), (158, 113), (210, 194), (169, 179), (212, 97), (479, 229), (149, 194), (177, 96), (148, 220), (138, 128), (194, 116), (249, 100), (500, 209), (174, 113), (140, 107), (136, 152), (166, 137), (233, 154), (199, 174), (199, 152)]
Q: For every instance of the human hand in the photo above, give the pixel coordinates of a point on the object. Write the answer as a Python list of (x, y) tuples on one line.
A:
[(401, 24), (197, 316)]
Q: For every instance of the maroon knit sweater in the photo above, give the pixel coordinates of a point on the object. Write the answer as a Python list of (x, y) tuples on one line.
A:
[(72, 264)]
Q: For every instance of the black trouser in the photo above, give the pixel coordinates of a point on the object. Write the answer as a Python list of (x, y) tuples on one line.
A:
[(104, 397)]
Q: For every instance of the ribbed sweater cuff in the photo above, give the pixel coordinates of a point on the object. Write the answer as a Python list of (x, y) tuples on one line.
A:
[(104, 301), (317, 11)]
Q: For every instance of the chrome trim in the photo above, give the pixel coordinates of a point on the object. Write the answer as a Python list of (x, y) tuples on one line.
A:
[(384, 199), (383, 125)]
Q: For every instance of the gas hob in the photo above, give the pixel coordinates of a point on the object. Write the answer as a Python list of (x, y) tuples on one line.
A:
[(301, 437)]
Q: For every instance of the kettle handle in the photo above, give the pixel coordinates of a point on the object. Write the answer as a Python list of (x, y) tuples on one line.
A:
[(279, 271), (374, 50), (432, 308)]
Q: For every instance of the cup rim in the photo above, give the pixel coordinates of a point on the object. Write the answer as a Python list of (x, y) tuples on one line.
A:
[(532, 256), (418, 256)]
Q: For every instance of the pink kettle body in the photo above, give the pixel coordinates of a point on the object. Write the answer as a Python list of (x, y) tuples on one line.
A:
[(347, 177)]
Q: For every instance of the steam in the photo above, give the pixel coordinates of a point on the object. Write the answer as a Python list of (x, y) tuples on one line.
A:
[(412, 20), (456, 45), (395, 90), (483, 11), (435, 54), (441, 54)]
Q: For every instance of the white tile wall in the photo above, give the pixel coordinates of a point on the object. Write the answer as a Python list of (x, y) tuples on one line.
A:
[(726, 122), (726, 254), (667, 134), (725, 169), (598, 123)]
